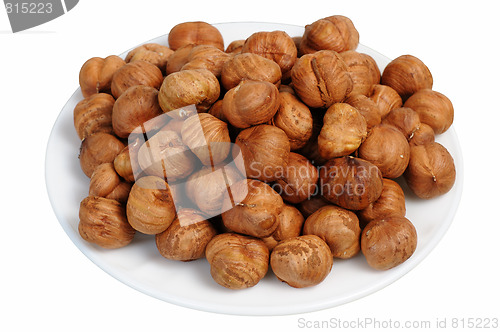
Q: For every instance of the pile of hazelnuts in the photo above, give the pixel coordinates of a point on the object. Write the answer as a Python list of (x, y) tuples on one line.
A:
[(321, 135)]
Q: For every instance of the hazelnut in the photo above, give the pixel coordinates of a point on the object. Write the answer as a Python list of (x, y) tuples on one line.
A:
[(150, 207), (135, 73), (103, 221), (338, 227), (164, 155), (290, 225), (275, 45), (363, 70), (206, 57), (295, 119), (237, 261), (153, 53), (386, 98), (126, 161), (387, 148), (431, 171), (216, 110), (97, 149), (302, 261), (265, 150), (405, 120), (249, 66), (390, 203), (251, 208), (179, 58), (251, 103), (310, 150), (93, 114), (367, 107), (321, 79), (135, 106), (312, 204), (105, 182), (96, 74), (351, 183), (423, 135), (407, 74), (299, 179), (235, 46), (208, 138), (336, 33), (187, 237), (187, 87), (388, 242), (198, 33), (206, 187), (343, 131), (433, 108)]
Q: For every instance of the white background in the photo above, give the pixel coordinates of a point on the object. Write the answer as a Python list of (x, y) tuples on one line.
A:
[(46, 283)]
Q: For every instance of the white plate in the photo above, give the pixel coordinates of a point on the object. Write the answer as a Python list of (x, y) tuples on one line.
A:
[(140, 266)]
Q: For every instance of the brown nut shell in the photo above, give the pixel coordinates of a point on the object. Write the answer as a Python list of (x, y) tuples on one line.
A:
[(150, 206), (125, 161), (97, 149), (311, 205), (338, 227), (252, 208), (407, 74), (433, 108), (290, 225), (405, 120), (179, 58), (235, 46), (302, 261), (153, 53), (363, 70), (105, 182), (423, 135), (249, 66), (206, 57), (387, 148), (388, 242), (351, 183), (135, 73), (187, 237), (367, 107), (197, 33), (103, 221), (335, 33), (237, 261), (96, 74), (431, 171), (93, 114), (386, 98)]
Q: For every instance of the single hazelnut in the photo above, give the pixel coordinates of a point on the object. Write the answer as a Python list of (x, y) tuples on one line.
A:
[(250, 103), (150, 207), (302, 261), (153, 53), (336, 33), (290, 225), (363, 70), (265, 150), (386, 98), (251, 208), (96, 74), (343, 131), (423, 135), (135, 73), (407, 74), (387, 148), (299, 179), (321, 79), (103, 221), (367, 107), (405, 120), (312, 204), (207, 57), (187, 87), (187, 236), (97, 149), (249, 66), (338, 227), (198, 33), (208, 138), (237, 261), (235, 46), (135, 106), (295, 119), (216, 110), (93, 114), (179, 58), (351, 183), (206, 187), (105, 182), (431, 171), (126, 161), (388, 242), (433, 108), (274, 45), (390, 203)]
